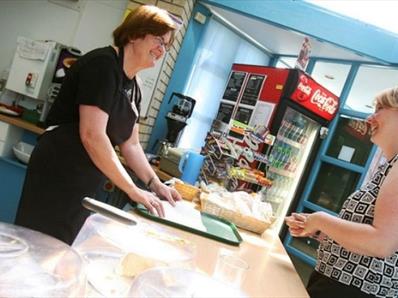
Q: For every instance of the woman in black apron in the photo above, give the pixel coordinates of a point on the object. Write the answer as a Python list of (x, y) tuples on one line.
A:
[(97, 108)]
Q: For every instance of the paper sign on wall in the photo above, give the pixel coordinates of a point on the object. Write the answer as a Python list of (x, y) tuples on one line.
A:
[(149, 78)]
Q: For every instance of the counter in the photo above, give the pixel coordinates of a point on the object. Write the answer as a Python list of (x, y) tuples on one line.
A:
[(17, 121), (271, 272)]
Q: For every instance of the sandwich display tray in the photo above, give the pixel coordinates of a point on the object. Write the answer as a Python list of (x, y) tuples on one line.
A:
[(217, 228)]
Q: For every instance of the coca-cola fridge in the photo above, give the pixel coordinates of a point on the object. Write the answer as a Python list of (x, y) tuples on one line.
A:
[(297, 111)]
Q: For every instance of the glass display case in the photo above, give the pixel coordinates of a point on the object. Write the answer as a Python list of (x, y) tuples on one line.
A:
[(287, 159), (332, 186), (351, 141)]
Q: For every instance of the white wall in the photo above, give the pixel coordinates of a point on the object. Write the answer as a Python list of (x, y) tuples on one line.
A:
[(84, 24)]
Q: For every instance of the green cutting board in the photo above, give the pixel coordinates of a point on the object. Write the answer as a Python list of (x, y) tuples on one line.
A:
[(217, 228)]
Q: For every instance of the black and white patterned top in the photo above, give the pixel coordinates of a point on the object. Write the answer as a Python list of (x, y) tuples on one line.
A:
[(375, 276)]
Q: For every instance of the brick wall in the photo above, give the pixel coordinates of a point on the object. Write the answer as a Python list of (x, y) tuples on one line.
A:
[(183, 9)]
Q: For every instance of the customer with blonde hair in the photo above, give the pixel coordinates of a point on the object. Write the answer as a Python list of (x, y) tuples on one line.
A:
[(358, 252)]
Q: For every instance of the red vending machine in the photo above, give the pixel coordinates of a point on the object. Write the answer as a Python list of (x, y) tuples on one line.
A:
[(297, 111)]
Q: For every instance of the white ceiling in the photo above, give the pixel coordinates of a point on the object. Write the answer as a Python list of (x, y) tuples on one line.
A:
[(379, 13), (278, 40), (281, 41)]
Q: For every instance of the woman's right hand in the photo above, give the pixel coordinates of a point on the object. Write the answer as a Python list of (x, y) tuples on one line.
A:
[(302, 225), (296, 223), (149, 200)]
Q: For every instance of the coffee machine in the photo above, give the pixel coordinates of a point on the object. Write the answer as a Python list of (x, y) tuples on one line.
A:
[(178, 116), (171, 157)]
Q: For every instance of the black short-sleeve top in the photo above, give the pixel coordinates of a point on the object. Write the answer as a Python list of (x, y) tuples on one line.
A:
[(98, 79)]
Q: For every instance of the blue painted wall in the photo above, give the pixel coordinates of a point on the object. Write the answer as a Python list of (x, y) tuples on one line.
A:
[(184, 64), (320, 23)]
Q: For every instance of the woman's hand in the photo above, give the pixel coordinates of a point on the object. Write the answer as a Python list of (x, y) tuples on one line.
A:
[(165, 192), (302, 224), (149, 200), (296, 222)]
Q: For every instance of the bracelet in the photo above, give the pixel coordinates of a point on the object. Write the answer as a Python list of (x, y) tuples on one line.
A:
[(148, 185), (316, 235)]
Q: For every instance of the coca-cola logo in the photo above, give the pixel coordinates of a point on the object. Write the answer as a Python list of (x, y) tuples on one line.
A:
[(312, 96), (324, 102), (304, 87), (303, 79), (361, 127)]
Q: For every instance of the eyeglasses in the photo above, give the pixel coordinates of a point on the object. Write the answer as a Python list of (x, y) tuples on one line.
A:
[(162, 43), (176, 20)]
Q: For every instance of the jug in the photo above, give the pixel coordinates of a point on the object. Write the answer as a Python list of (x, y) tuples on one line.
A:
[(190, 166)]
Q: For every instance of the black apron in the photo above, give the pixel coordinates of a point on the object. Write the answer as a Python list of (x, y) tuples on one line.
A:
[(59, 175)]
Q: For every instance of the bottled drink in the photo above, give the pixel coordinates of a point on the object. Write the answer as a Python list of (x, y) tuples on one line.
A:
[(292, 132), (276, 188), (283, 155), (298, 134), (288, 129), (302, 126), (293, 164), (277, 155), (282, 130), (287, 150), (285, 186), (303, 138), (274, 157), (289, 158)]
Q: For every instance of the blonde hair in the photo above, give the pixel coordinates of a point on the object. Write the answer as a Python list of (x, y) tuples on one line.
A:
[(146, 19), (388, 98)]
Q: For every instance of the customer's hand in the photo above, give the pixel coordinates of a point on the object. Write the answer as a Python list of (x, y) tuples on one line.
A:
[(296, 222), (149, 200), (303, 224), (165, 192)]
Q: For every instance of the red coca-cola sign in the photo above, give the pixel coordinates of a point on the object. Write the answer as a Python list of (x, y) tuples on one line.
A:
[(315, 98)]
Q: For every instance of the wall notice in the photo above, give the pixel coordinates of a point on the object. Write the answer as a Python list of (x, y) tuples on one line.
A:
[(149, 78)]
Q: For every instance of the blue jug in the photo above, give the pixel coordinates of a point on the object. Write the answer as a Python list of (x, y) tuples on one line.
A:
[(190, 165)]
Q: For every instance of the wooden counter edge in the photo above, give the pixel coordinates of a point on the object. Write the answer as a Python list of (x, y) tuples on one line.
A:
[(16, 121)]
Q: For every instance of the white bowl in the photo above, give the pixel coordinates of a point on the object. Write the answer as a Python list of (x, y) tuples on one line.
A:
[(23, 151)]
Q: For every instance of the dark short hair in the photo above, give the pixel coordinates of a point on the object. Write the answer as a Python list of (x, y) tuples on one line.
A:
[(145, 19)]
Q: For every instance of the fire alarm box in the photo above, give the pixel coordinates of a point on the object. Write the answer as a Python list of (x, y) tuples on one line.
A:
[(33, 67)]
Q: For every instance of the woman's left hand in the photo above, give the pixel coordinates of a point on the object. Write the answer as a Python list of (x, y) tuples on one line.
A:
[(165, 192)]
